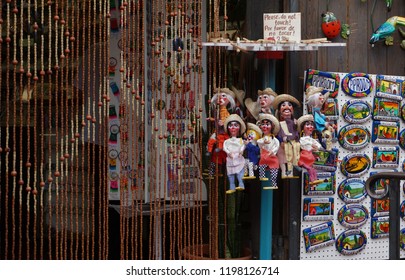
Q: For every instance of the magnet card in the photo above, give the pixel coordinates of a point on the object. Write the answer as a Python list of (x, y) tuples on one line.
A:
[(356, 111), (357, 84), (352, 215), (351, 242), (386, 109), (319, 236), (352, 190), (329, 81), (385, 157), (355, 165), (402, 239), (403, 112), (380, 185), (389, 87), (385, 132), (380, 207), (318, 209), (354, 137), (402, 139), (402, 210), (326, 160), (327, 187), (331, 109), (380, 227)]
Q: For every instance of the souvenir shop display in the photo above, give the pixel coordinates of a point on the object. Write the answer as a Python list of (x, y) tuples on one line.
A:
[(369, 139)]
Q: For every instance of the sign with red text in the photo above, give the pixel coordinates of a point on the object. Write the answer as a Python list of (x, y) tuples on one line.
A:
[(282, 27)]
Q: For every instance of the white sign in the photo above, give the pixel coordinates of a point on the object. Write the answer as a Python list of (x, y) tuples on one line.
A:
[(282, 27)]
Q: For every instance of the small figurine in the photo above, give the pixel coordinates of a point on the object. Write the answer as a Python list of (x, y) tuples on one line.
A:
[(239, 107), (252, 110), (269, 146), (289, 151), (221, 102), (315, 98), (234, 148), (330, 25), (264, 99), (252, 150), (308, 144)]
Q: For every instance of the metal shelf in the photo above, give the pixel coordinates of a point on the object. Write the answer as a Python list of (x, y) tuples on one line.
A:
[(257, 46)]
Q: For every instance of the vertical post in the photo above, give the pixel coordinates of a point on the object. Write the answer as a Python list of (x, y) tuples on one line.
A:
[(394, 193), (266, 221)]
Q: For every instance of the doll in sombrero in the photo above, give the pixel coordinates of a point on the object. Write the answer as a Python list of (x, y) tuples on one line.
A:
[(308, 144), (269, 146), (239, 105), (265, 99), (288, 135), (253, 134), (234, 148), (252, 110), (222, 101), (315, 99)]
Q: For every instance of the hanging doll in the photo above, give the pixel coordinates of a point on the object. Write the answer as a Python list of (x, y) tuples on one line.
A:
[(239, 107), (265, 99), (221, 102), (252, 150), (288, 135), (269, 146), (308, 144), (234, 148), (315, 98)]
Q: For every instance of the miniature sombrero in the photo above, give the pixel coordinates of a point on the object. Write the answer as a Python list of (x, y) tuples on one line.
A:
[(268, 91), (235, 118), (274, 121), (282, 98), (225, 90), (303, 119), (252, 107), (252, 126), (240, 94), (311, 90)]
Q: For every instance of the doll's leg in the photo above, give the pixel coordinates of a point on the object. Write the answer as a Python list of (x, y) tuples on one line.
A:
[(289, 152), (251, 172), (231, 178), (262, 172), (246, 168), (273, 179), (240, 179), (211, 170)]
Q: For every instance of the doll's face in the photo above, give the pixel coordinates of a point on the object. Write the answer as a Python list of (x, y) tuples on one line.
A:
[(286, 110), (233, 128), (266, 126), (265, 100), (252, 135), (308, 128), (223, 99)]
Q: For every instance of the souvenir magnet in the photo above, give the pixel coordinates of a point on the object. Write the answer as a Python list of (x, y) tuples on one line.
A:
[(357, 84), (326, 160), (402, 210), (318, 209), (331, 109), (114, 88), (389, 87), (355, 165), (354, 137), (380, 227), (380, 207), (356, 111), (402, 139), (352, 215), (326, 80), (386, 109), (352, 190), (380, 185), (327, 187), (385, 132), (403, 112), (402, 239), (385, 157), (319, 236), (351, 242)]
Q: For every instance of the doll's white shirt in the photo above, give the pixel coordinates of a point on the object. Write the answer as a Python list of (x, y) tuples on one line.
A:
[(307, 142), (272, 146)]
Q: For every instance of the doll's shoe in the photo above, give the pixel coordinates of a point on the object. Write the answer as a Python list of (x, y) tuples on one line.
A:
[(240, 188), (264, 179), (249, 177), (270, 188), (230, 191)]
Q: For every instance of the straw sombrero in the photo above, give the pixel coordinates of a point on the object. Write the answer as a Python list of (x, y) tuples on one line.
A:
[(311, 90), (303, 119), (252, 107), (235, 118), (268, 91), (274, 121), (252, 126), (282, 98), (240, 94), (225, 90)]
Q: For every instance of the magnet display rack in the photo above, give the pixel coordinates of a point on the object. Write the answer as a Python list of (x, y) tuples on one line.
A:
[(375, 248)]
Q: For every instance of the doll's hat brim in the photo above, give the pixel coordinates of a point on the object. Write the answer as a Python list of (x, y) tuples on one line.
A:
[(282, 98), (235, 118), (273, 119), (303, 119)]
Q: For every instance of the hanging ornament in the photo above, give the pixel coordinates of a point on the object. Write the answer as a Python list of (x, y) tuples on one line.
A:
[(330, 25)]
